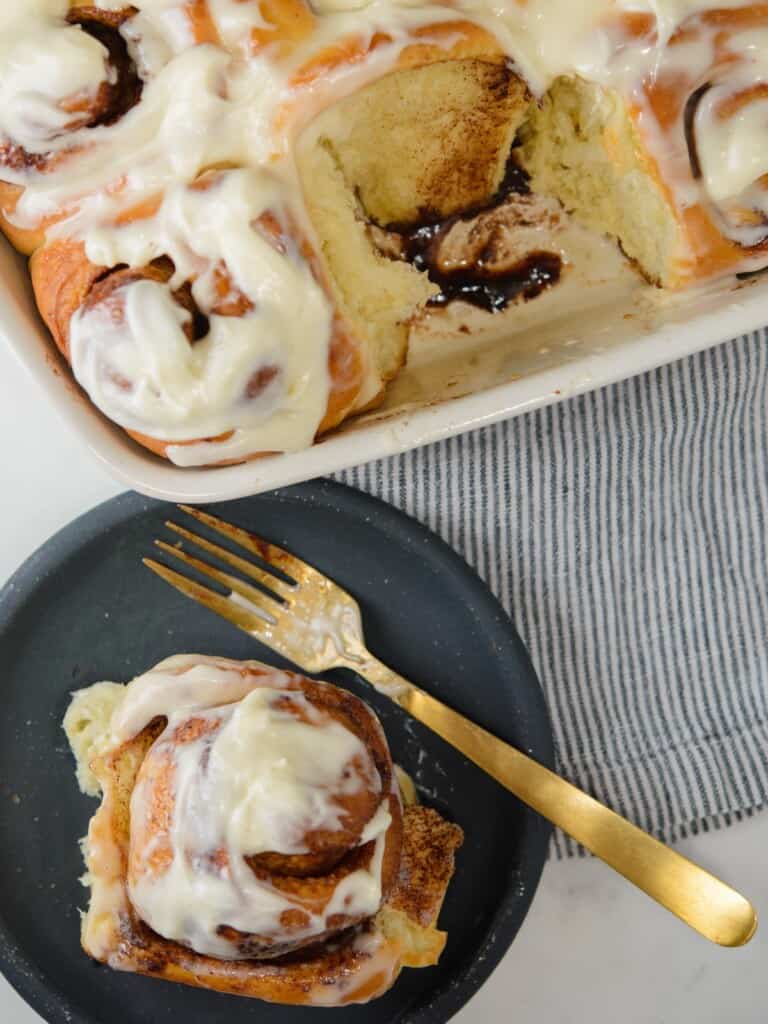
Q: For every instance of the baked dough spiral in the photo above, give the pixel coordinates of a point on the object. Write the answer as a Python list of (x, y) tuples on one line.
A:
[(205, 371), (709, 99), (252, 838), (61, 81)]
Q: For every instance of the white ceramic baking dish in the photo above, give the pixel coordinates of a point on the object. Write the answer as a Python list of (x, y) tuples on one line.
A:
[(583, 336)]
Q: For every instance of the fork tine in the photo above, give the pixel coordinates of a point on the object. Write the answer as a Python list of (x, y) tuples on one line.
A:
[(267, 604), (236, 614), (266, 579), (268, 552)]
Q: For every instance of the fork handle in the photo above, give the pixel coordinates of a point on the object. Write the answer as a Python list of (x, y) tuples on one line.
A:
[(701, 900)]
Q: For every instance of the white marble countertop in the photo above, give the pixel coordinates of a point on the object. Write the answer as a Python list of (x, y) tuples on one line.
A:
[(593, 949)]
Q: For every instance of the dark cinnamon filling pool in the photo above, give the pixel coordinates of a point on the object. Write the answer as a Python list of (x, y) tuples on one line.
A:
[(479, 283), (113, 99), (471, 256)]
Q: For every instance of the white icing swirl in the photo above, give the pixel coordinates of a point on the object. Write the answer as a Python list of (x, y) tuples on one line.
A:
[(263, 771), (733, 147), (142, 370), (45, 64), (267, 782)]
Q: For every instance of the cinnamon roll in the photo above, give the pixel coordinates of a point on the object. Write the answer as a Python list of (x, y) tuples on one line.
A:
[(252, 837), (225, 357), (58, 80), (671, 159), (238, 209)]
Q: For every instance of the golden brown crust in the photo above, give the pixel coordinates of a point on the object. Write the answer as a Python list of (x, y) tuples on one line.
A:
[(290, 981), (460, 39), (426, 864), (410, 914), (25, 240), (62, 277)]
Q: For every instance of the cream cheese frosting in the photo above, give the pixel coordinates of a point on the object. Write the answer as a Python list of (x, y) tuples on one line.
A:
[(259, 776), (198, 391), (213, 98), (268, 780), (41, 61)]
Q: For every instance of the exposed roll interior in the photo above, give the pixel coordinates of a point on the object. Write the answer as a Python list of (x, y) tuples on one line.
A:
[(449, 181), (418, 145)]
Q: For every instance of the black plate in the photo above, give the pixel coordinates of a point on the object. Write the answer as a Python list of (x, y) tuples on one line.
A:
[(83, 608)]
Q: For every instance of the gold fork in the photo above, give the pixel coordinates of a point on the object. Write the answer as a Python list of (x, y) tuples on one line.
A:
[(313, 622)]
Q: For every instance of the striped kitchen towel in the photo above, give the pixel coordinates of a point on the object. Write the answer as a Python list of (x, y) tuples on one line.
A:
[(625, 533)]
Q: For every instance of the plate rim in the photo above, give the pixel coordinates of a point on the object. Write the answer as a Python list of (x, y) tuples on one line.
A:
[(32, 983)]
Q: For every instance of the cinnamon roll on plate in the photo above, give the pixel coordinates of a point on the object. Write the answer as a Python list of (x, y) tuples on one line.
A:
[(238, 212), (84, 609), (253, 837)]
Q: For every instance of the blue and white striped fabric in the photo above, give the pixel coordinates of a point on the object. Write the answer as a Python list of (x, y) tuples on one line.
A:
[(626, 532)]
